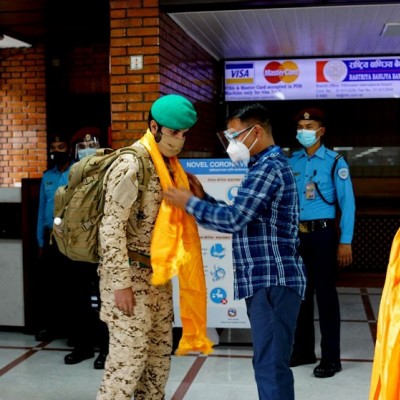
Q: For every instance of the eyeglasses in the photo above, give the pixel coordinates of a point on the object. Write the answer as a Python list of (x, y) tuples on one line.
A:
[(229, 134)]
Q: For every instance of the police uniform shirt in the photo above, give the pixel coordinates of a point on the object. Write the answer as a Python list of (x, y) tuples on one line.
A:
[(317, 170)]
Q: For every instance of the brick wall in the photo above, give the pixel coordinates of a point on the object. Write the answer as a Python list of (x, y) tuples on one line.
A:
[(187, 69), (134, 31), (23, 115), (173, 63)]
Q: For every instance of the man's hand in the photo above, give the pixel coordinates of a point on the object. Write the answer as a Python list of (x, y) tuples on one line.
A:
[(177, 197), (125, 300), (344, 255)]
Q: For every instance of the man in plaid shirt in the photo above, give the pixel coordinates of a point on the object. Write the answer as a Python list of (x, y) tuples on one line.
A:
[(263, 219)]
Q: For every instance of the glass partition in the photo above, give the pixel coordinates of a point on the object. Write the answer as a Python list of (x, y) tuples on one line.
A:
[(367, 162)]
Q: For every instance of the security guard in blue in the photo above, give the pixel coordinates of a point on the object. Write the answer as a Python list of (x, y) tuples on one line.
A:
[(323, 183), (53, 268)]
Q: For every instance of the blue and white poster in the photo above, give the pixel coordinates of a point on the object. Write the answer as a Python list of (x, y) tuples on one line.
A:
[(221, 179)]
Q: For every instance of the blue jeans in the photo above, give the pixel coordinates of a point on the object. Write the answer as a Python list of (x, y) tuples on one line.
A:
[(272, 312)]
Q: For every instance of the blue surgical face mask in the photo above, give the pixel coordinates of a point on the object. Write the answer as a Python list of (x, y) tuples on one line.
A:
[(86, 147), (85, 152), (307, 137)]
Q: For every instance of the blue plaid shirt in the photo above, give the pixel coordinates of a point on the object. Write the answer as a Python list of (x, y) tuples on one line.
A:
[(263, 219)]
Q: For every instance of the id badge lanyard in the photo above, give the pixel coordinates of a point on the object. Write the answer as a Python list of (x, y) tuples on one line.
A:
[(311, 188)]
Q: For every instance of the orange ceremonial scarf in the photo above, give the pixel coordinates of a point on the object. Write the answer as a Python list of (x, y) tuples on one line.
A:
[(385, 378), (176, 250)]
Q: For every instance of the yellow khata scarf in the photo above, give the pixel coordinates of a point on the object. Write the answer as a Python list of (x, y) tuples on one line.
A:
[(176, 250), (385, 378)]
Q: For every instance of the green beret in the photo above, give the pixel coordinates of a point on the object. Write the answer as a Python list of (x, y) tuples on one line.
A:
[(174, 112)]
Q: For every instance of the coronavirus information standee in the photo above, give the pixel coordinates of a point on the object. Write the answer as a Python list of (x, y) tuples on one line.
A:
[(221, 179)]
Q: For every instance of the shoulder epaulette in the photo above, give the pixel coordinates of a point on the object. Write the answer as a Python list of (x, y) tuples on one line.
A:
[(337, 158)]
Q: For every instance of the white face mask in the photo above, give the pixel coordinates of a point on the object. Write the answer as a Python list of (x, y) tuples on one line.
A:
[(238, 151), (170, 146)]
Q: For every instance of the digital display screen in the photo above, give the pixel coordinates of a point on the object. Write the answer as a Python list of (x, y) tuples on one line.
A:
[(322, 78)]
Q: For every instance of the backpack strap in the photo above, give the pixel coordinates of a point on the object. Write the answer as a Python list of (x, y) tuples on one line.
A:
[(143, 158), (143, 178), (143, 174), (75, 178)]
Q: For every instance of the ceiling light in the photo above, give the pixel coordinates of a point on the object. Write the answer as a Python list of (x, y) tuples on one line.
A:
[(391, 29), (7, 42)]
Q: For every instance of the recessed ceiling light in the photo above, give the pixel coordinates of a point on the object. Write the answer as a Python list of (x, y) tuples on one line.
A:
[(7, 42), (391, 29)]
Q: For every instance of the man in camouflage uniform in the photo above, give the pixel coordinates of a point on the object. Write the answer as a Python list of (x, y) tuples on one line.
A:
[(139, 315)]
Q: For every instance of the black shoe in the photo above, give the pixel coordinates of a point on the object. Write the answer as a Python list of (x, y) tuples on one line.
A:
[(326, 369), (100, 361), (77, 356), (297, 360)]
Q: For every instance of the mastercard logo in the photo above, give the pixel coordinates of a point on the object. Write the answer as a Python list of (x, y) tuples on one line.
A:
[(287, 72)]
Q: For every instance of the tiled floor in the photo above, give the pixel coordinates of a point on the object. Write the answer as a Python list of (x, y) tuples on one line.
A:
[(35, 371)]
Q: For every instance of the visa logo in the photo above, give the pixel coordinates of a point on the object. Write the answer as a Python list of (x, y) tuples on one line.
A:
[(239, 73)]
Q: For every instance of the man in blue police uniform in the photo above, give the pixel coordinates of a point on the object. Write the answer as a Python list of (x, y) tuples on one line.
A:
[(66, 286), (53, 272), (323, 182), (87, 330)]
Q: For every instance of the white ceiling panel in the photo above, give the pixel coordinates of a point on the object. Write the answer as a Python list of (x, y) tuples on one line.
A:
[(293, 32)]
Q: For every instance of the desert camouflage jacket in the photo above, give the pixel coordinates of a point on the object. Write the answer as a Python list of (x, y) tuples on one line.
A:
[(121, 228)]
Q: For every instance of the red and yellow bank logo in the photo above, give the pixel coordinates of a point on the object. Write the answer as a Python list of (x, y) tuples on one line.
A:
[(276, 72)]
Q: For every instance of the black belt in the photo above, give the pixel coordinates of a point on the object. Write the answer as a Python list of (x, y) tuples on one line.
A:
[(315, 225)]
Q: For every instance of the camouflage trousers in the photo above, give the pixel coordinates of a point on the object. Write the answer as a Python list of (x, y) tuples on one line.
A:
[(140, 349)]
